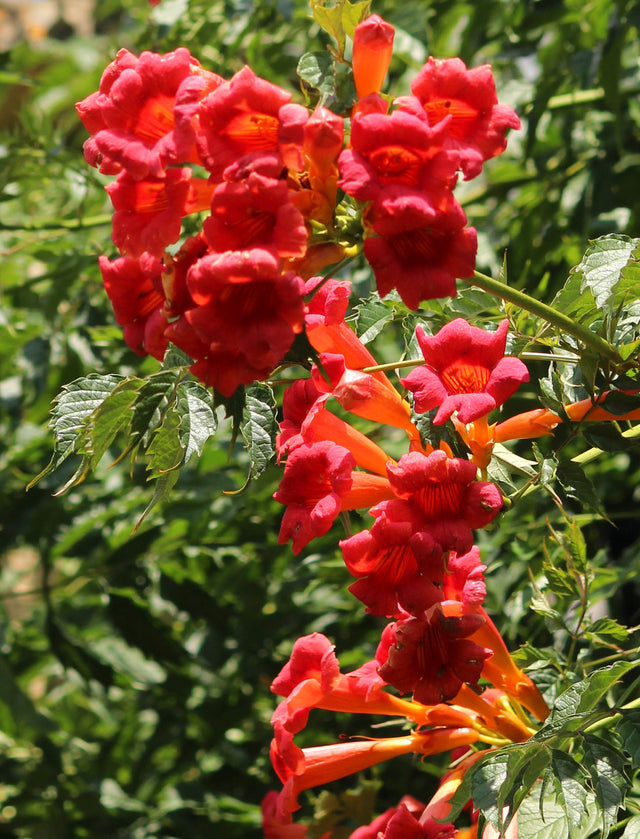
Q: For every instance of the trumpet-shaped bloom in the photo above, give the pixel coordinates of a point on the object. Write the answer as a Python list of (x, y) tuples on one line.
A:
[(246, 316), (131, 116), (363, 394), (312, 679), (306, 419), (478, 124), (465, 370), (432, 655), (417, 250), (444, 489), (394, 559), (397, 149), (315, 479), (301, 769), (134, 287), (248, 114), (255, 212), (149, 212)]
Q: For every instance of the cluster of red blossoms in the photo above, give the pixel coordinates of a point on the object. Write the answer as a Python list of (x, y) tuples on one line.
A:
[(416, 564), (260, 178)]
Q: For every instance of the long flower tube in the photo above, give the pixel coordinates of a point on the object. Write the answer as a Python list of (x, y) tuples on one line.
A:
[(480, 436), (323, 764), (502, 672), (363, 395)]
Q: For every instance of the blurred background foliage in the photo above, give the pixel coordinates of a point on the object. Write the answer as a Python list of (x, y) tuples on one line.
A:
[(136, 663)]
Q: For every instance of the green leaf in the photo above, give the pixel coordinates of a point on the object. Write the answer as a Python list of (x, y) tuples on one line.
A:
[(197, 418), (154, 398), (354, 13), (113, 415), (629, 730), (19, 717), (567, 778), (161, 491), (576, 485), (75, 655), (607, 628), (586, 694), (542, 816), (141, 671), (373, 315), (259, 427), (165, 452), (71, 409), (605, 765), (316, 71), (602, 264), (340, 19), (632, 828), (113, 797)]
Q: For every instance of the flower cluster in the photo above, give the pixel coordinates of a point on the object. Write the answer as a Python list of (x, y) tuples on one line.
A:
[(259, 178), (416, 564), (230, 296)]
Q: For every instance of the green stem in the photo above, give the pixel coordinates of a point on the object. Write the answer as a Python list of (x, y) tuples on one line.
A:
[(391, 365), (586, 97), (547, 313), (63, 224), (592, 454)]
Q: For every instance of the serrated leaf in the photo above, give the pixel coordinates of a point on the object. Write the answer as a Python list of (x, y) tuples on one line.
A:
[(71, 409), (533, 763), (330, 19), (340, 19), (602, 264), (618, 403), (197, 418), (541, 606), (113, 415), (373, 315), (175, 357), (567, 779), (629, 729), (608, 781), (259, 427), (585, 695), (514, 461), (354, 13), (161, 491), (488, 779), (154, 398), (609, 629), (576, 485), (540, 816), (165, 452)]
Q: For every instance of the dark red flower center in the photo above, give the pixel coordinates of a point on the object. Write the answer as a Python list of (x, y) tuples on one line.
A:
[(441, 500), (423, 245)]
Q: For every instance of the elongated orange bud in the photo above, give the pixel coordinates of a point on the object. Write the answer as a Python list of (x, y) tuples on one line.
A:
[(372, 48)]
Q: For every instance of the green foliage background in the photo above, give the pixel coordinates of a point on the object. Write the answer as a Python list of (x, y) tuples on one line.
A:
[(136, 657)]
